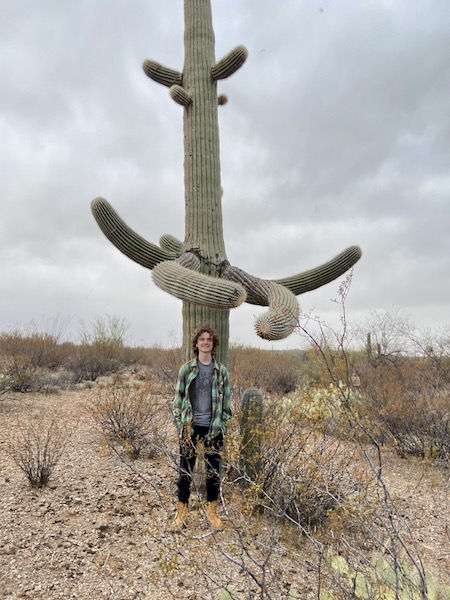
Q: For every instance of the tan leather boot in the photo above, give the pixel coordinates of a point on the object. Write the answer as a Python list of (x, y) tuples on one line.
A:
[(213, 517), (181, 516)]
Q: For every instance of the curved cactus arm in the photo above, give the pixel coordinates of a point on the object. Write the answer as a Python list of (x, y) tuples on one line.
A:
[(329, 271), (230, 63), (170, 244), (255, 287), (125, 239), (180, 95), (282, 317), (161, 74), (197, 288)]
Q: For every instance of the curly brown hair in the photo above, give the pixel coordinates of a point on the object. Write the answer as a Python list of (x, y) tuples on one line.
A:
[(198, 333)]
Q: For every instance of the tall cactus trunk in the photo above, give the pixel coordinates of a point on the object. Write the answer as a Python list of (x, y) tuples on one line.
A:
[(197, 270), (203, 193)]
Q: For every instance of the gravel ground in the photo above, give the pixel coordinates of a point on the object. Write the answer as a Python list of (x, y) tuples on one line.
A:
[(101, 528)]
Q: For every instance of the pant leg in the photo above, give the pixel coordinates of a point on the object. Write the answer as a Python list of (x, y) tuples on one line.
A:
[(188, 456), (213, 451)]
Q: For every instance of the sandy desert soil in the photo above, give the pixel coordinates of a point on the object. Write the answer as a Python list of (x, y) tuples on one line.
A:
[(101, 529)]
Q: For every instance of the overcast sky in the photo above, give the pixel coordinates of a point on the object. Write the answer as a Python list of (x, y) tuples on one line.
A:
[(336, 132)]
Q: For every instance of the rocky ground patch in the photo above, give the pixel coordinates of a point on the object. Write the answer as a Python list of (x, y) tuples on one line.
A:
[(101, 528)]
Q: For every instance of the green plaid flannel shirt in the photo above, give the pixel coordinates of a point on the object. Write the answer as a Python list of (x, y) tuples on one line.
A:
[(221, 401)]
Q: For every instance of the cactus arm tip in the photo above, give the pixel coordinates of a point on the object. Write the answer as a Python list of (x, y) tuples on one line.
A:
[(161, 74), (230, 63), (171, 244), (323, 274)]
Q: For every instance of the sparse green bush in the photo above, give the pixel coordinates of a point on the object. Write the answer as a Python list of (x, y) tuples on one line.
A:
[(325, 408)]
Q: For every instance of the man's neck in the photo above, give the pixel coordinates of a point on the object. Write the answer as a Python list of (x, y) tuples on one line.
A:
[(205, 357)]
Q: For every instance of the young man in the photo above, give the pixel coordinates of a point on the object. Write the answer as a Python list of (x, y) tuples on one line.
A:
[(201, 410)]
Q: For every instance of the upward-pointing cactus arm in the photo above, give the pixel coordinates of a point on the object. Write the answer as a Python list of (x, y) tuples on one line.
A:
[(230, 63), (125, 239), (329, 271)]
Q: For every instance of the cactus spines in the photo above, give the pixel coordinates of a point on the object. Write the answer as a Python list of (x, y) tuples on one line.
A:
[(230, 63), (251, 431), (197, 270)]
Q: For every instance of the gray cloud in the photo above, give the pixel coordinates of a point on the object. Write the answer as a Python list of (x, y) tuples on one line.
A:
[(336, 133)]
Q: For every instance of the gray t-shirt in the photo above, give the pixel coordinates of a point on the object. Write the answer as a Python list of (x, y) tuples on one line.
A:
[(201, 394)]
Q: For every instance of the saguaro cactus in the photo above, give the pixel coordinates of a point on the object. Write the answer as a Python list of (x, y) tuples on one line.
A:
[(196, 270), (251, 432)]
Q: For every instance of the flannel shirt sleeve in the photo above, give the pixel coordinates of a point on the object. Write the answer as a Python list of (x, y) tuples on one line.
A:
[(226, 400), (178, 398)]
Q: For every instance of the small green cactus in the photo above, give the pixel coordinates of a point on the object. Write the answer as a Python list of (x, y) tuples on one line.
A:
[(251, 431)]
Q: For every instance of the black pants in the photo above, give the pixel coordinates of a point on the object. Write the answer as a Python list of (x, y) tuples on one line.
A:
[(188, 456)]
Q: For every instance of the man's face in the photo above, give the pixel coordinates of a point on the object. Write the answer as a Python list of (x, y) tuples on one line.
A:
[(205, 342)]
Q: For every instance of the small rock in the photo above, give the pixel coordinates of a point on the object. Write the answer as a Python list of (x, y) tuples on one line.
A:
[(9, 549)]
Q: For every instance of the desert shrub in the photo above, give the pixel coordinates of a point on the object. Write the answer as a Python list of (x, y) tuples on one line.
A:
[(40, 344), (129, 416), (300, 474), (163, 364), (28, 353), (332, 409), (420, 428), (408, 403), (274, 372), (5, 383), (36, 444), (404, 375), (101, 350), (19, 373)]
